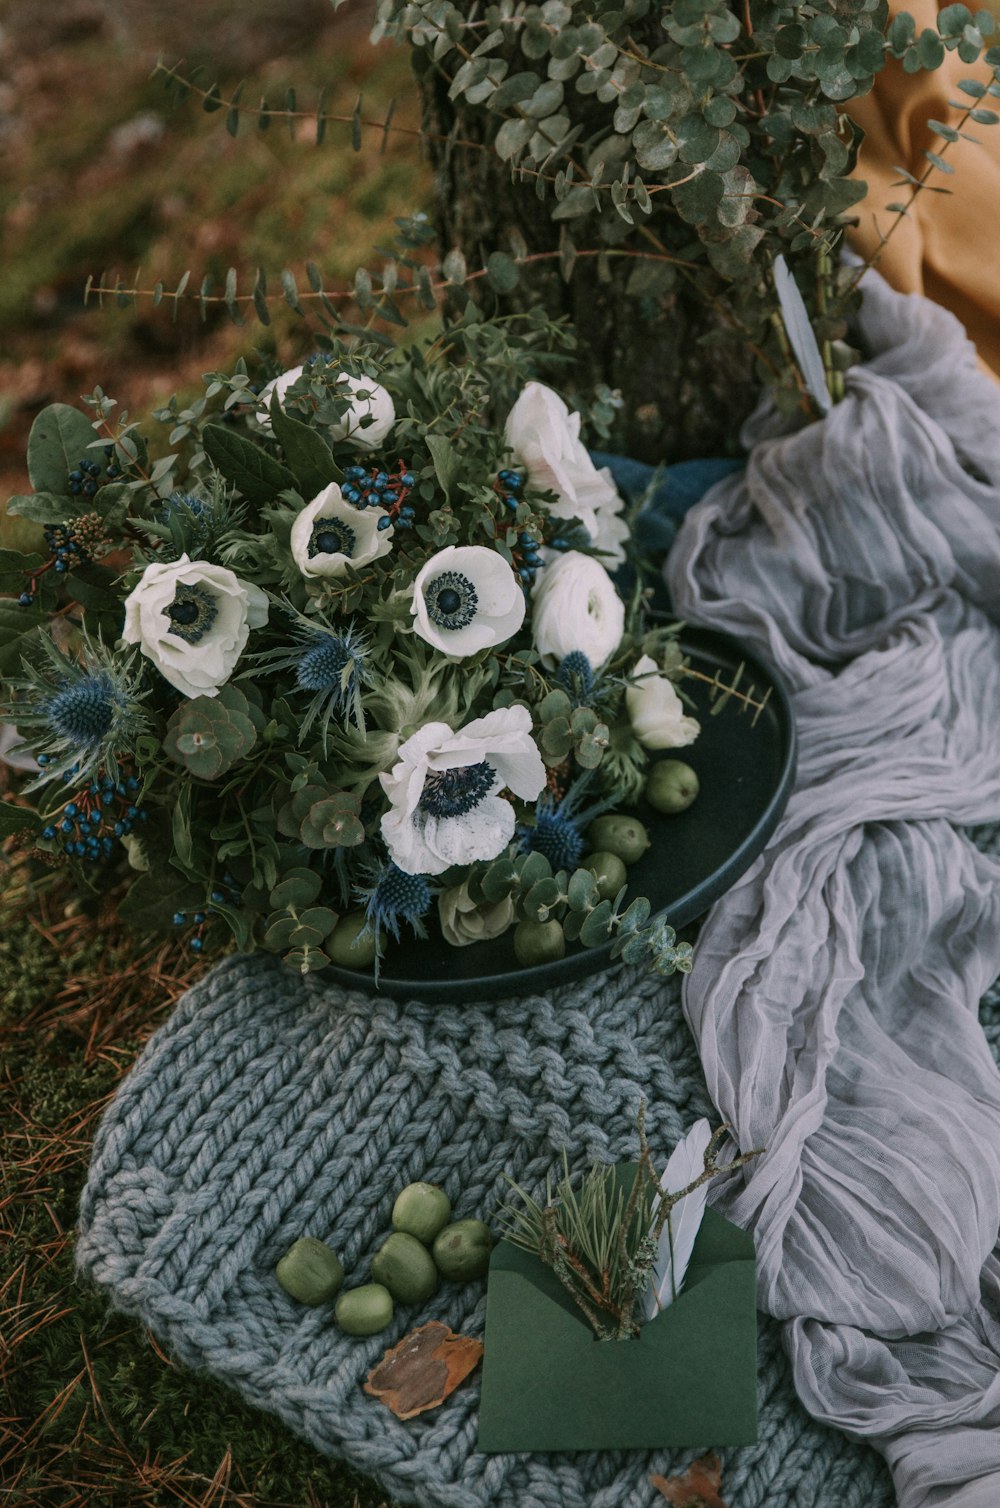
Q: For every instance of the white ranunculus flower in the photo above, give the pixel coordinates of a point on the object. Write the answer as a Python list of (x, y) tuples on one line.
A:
[(193, 619), (467, 598), (446, 808), (545, 438), (376, 404), (655, 710), (465, 921), (576, 607), (329, 534)]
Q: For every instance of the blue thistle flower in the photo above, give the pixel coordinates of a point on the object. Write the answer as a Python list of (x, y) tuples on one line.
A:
[(576, 675), (392, 897), (559, 824), (84, 710), (329, 664), (79, 715)]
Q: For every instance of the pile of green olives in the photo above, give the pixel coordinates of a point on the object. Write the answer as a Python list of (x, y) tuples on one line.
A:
[(425, 1246)]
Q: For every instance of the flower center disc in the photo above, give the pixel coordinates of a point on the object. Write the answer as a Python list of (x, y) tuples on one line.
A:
[(451, 600), (192, 613), (452, 793), (331, 536)]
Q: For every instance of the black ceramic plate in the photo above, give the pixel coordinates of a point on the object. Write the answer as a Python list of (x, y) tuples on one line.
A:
[(746, 772)]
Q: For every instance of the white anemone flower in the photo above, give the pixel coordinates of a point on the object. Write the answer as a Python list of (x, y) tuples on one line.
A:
[(466, 598), (655, 710), (193, 619), (545, 438), (365, 424), (576, 607), (329, 534), (444, 792)]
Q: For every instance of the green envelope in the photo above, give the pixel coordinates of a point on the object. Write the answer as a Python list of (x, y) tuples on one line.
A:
[(690, 1379)]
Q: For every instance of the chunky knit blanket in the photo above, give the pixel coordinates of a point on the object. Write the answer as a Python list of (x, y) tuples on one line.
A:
[(833, 1003)]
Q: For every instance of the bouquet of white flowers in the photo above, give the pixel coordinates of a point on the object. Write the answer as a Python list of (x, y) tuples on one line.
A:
[(346, 657)]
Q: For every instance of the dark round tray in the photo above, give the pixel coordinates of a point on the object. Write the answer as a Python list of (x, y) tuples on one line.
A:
[(746, 771)]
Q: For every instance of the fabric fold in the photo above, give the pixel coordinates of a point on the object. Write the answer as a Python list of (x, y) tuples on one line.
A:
[(836, 993)]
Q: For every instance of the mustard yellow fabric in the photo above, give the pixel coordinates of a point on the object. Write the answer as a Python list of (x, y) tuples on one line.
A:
[(948, 247)]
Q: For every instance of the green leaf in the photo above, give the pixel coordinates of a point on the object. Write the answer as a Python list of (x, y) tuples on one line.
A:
[(59, 440), (180, 826), (447, 462), (534, 867), (16, 568), (306, 452), (597, 926), (984, 117), (14, 819), (154, 897), (582, 889), (299, 888), (930, 49), (257, 475), (540, 899), (44, 507), (502, 272), (18, 625)]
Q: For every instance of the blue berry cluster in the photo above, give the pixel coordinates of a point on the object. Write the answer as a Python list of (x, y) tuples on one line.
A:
[(381, 489), (67, 551), (96, 816), (85, 478), (225, 893)]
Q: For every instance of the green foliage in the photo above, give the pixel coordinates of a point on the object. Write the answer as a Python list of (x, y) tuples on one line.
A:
[(208, 735), (601, 1239)]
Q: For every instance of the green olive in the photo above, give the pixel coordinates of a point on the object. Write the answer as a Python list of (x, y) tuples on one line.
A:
[(609, 872), (672, 786), (309, 1271), (616, 833), (462, 1250), (404, 1266), (421, 1210), (539, 942), (346, 947), (365, 1310)]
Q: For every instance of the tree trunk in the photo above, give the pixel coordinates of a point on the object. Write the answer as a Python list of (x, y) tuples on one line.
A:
[(681, 399)]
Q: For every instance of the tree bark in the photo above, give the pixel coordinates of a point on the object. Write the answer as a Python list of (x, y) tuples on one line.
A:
[(681, 399)]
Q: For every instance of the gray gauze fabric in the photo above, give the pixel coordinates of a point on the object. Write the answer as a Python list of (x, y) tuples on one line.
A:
[(834, 999)]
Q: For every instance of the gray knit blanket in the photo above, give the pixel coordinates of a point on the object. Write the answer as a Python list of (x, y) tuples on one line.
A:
[(833, 1003)]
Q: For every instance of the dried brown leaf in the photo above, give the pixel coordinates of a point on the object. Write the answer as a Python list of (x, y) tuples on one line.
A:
[(420, 1372), (697, 1488)]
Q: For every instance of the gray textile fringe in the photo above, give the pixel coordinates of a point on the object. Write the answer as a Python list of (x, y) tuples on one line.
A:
[(833, 1002), (269, 1108)]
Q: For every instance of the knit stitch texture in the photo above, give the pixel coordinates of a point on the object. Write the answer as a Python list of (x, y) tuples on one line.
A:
[(270, 1107)]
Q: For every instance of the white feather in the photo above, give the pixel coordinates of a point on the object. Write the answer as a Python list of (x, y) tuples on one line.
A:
[(678, 1235), (801, 336)]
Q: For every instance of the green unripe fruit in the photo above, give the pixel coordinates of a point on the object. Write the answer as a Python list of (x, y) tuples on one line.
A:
[(462, 1250), (364, 1311), (421, 1210), (609, 872), (672, 786), (623, 836), (404, 1266), (539, 942), (310, 1272), (343, 946)]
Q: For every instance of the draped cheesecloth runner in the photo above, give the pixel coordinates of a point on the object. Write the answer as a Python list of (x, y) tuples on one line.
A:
[(835, 991), (833, 1001)]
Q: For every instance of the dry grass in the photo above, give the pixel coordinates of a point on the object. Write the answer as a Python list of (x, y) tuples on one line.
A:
[(91, 1410)]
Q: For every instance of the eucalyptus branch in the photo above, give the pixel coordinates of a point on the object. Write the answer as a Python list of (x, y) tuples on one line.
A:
[(722, 691)]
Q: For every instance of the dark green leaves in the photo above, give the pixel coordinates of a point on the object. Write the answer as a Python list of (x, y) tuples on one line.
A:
[(306, 452), (258, 475)]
